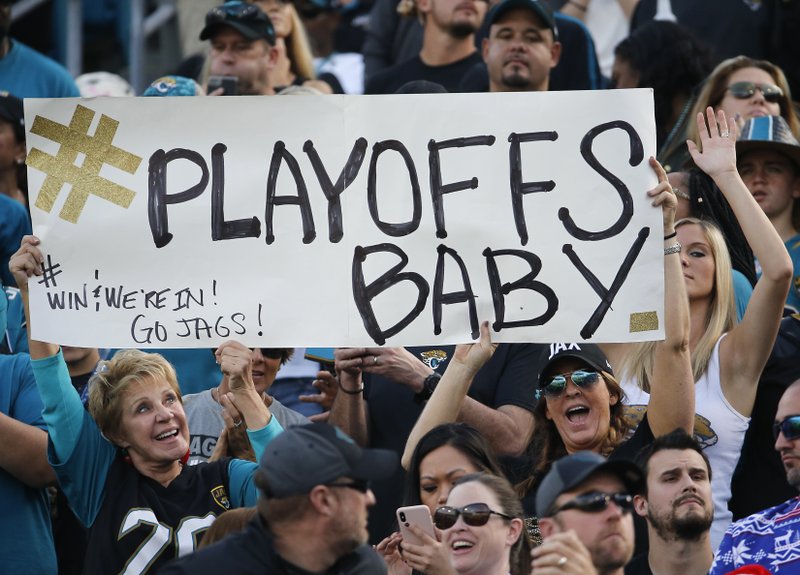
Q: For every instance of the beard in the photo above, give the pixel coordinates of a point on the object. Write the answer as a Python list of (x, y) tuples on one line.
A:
[(793, 477), (461, 30), (516, 81), (689, 527)]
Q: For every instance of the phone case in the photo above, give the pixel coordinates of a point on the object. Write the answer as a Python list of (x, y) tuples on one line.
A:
[(418, 515)]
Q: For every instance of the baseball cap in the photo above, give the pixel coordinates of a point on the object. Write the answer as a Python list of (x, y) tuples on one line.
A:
[(771, 133), (305, 456), (247, 19), (539, 7), (570, 471), (11, 110), (587, 352)]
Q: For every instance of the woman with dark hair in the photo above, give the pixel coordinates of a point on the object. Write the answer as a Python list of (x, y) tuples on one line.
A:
[(442, 456), (668, 58), (484, 512)]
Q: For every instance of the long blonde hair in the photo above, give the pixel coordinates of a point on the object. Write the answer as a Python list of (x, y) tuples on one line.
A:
[(721, 318), (717, 83), (298, 48)]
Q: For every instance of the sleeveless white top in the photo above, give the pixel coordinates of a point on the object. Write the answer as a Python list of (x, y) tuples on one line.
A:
[(719, 429)]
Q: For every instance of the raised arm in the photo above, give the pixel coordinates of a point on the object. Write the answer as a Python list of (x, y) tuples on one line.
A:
[(25, 264), (349, 410), (672, 397), (744, 352), (671, 385), (448, 398)]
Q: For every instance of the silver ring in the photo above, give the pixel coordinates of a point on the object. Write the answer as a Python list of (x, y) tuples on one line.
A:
[(726, 134), (374, 360), (237, 423), (561, 562)]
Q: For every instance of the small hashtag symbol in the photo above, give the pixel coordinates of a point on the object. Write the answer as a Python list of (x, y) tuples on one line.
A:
[(49, 273), (85, 179)]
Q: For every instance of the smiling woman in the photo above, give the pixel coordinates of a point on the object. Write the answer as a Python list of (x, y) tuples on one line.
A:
[(123, 468)]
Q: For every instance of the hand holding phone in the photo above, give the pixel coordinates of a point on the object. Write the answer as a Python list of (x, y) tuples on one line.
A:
[(227, 83), (418, 515)]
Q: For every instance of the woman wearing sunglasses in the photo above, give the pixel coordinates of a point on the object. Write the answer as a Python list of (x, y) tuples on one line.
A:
[(482, 527), (442, 457), (727, 357), (580, 402), (743, 88)]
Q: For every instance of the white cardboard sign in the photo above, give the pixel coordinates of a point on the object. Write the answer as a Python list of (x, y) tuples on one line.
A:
[(345, 220)]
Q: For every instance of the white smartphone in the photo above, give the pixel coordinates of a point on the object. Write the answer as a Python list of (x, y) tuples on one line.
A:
[(418, 515)]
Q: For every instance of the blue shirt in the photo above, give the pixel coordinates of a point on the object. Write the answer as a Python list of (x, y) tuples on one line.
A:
[(26, 73), (26, 538)]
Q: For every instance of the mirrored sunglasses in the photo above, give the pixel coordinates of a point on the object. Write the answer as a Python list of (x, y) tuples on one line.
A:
[(474, 514), (790, 427), (556, 385), (596, 501), (744, 90)]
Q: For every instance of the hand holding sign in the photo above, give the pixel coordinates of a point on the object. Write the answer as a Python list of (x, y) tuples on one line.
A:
[(234, 360)]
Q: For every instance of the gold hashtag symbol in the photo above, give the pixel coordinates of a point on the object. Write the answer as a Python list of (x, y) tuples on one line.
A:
[(85, 179)]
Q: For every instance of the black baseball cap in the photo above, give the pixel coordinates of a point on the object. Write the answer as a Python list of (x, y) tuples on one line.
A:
[(587, 352), (305, 456), (247, 19), (569, 472), (539, 7), (11, 109)]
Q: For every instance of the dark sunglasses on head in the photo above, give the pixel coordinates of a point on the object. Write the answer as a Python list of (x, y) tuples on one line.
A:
[(555, 385), (744, 90), (238, 10), (790, 427), (474, 514), (596, 501), (361, 485)]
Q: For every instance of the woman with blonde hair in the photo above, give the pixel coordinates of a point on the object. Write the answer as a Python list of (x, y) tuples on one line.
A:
[(727, 358), (743, 88), (295, 65)]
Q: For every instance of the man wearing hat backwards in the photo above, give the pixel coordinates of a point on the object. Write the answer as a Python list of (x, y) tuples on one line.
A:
[(312, 510), (584, 505), (242, 45), (522, 46), (768, 159)]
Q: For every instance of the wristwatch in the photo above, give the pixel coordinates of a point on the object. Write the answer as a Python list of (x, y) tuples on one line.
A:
[(428, 386)]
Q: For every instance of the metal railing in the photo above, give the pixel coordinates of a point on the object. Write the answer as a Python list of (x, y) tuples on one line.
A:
[(142, 26)]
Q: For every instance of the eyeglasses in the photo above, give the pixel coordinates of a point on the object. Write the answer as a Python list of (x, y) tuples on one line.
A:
[(474, 514), (361, 485), (556, 385), (790, 427), (744, 90), (596, 501), (238, 10)]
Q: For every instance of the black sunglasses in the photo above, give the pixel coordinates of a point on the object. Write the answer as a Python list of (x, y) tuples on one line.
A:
[(271, 352), (790, 427), (555, 386), (744, 90), (596, 501), (361, 485), (474, 514)]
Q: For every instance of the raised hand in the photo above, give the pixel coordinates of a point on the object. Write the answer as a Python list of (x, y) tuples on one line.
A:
[(718, 142)]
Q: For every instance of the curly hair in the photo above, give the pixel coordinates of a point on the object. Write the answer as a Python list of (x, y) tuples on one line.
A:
[(670, 60)]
